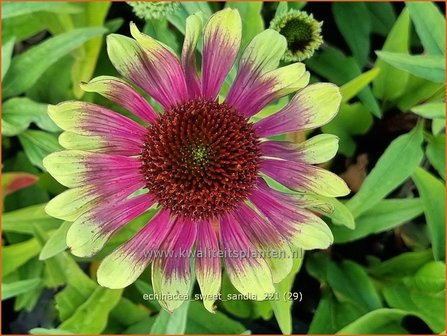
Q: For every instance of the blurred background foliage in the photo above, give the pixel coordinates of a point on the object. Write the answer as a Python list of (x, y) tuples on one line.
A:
[(386, 271)]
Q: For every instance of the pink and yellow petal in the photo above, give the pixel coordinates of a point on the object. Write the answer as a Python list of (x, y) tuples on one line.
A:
[(74, 168), (103, 143), (268, 240), (150, 65), (72, 203), (314, 234), (270, 87), (120, 92), (171, 273), (93, 120), (221, 41), (194, 26), (300, 227), (247, 270), (303, 177), (310, 108), (89, 233), (125, 264), (261, 56), (207, 264), (318, 149)]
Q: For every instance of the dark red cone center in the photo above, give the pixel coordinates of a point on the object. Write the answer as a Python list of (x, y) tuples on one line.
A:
[(200, 159)]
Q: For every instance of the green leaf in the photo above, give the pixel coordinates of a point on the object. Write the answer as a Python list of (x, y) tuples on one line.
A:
[(430, 110), (396, 164), (382, 17), (252, 22), (413, 295), (431, 277), (91, 316), (26, 68), (424, 66), (354, 86), (432, 193), (93, 16), (22, 220), (391, 82), (174, 323), (38, 144), (282, 307), (354, 23), (10, 290), (405, 264), (436, 153), (7, 49), (380, 321), (384, 216), (21, 27), (159, 29), (352, 119), (331, 315), (127, 314), (430, 26), (13, 9), (44, 331), (16, 255), (350, 282), (80, 287), (437, 126), (56, 243), (200, 321), (419, 91), (179, 16), (19, 113)]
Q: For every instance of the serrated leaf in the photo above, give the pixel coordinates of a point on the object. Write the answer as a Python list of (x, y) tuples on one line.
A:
[(26, 68), (396, 164), (424, 66)]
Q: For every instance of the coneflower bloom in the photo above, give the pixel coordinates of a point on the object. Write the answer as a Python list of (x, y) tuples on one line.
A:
[(201, 164), (302, 32)]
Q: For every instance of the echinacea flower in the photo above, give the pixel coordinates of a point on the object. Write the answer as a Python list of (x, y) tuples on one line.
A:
[(201, 163), (148, 10), (302, 32)]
